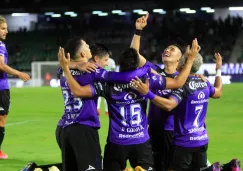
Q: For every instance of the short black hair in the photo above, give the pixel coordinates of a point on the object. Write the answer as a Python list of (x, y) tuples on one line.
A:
[(178, 45), (99, 50), (129, 60), (72, 46)]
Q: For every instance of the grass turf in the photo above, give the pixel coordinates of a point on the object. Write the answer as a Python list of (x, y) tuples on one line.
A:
[(30, 130)]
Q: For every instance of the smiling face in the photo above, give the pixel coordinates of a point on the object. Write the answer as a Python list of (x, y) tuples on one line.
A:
[(171, 54)]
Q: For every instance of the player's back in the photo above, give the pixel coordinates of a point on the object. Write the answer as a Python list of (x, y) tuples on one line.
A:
[(3, 76), (190, 129), (76, 109), (127, 110), (127, 113)]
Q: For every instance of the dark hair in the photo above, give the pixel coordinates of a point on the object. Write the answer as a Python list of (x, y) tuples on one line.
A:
[(129, 60), (99, 50), (72, 46), (178, 45)]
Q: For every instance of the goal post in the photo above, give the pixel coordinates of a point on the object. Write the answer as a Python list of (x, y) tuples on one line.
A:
[(44, 73)]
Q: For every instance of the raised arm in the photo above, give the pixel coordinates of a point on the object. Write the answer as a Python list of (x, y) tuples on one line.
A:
[(140, 24), (180, 80), (116, 77), (7, 69), (218, 86)]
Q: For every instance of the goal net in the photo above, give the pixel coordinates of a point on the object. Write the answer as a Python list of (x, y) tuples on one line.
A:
[(44, 73)]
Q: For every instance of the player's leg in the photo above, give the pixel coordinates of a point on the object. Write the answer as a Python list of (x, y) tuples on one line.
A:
[(156, 139), (69, 161), (199, 159), (58, 135), (141, 155), (98, 105), (85, 143), (4, 109), (181, 159), (115, 157), (168, 148), (106, 107)]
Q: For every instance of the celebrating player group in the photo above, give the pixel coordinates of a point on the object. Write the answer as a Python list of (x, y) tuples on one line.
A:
[(172, 137)]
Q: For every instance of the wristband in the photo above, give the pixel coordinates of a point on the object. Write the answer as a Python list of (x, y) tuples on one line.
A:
[(138, 32), (150, 95), (218, 73)]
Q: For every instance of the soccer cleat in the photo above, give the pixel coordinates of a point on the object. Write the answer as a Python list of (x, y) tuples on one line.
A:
[(235, 165), (139, 168), (128, 169), (30, 167), (217, 166), (38, 169), (53, 168), (3, 156)]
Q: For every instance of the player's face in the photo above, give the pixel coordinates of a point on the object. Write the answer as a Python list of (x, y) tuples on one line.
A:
[(3, 31), (86, 50), (103, 62), (171, 54)]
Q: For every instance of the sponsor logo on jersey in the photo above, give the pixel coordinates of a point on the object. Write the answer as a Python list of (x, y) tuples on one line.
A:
[(119, 87), (201, 95), (154, 77), (195, 85), (130, 96)]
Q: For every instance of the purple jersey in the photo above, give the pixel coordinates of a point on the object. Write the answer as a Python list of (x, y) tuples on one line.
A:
[(127, 111), (158, 117), (192, 98), (3, 76), (78, 110)]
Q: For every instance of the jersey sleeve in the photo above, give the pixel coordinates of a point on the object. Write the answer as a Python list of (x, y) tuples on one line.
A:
[(100, 89), (2, 51), (121, 77), (157, 81), (153, 66), (211, 89), (177, 95), (85, 79)]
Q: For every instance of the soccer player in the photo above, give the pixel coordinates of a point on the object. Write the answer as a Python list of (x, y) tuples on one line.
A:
[(79, 134), (128, 135), (4, 86), (111, 67), (190, 138), (161, 122)]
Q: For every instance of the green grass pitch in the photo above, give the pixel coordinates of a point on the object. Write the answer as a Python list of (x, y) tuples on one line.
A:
[(30, 130)]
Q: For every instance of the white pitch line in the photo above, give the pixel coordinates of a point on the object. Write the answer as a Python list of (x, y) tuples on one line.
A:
[(19, 123)]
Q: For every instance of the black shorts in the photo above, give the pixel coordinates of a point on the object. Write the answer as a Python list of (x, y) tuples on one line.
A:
[(4, 102), (161, 141), (189, 159), (80, 148), (116, 156), (58, 135)]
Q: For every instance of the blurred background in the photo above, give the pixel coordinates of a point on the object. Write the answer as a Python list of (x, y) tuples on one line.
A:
[(38, 27)]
